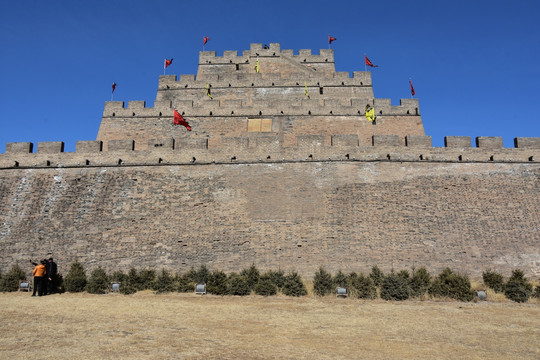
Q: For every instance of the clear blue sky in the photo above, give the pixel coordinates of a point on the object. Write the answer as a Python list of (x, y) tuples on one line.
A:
[(475, 65)]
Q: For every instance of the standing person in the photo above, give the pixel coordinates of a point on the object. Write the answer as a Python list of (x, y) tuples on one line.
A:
[(39, 278), (52, 270)]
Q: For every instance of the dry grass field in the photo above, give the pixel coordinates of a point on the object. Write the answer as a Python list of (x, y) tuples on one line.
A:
[(187, 326)]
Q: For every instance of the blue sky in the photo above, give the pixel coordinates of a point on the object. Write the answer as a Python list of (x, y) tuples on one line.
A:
[(475, 65)]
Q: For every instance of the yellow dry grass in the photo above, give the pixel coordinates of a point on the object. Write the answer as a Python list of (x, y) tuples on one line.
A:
[(186, 326)]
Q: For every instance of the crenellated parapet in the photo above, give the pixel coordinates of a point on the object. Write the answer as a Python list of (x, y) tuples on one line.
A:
[(268, 148), (325, 56), (257, 107)]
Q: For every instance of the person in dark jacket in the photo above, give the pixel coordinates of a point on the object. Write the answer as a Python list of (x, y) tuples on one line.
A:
[(52, 271)]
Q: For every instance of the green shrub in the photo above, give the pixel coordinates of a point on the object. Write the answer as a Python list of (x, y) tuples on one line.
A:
[(119, 277), (395, 287), (10, 281), (362, 286), (493, 280), (123, 280), (201, 275), (186, 283), (517, 288), (322, 282), (404, 274), (449, 284), (238, 285), (293, 285), (147, 279), (376, 275), (265, 287), (252, 275), (340, 280), (277, 277), (98, 283), (130, 285), (75, 280), (536, 292), (420, 281), (217, 283), (164, 283)]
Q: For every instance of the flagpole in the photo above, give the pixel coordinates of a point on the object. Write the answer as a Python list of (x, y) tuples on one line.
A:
[(365, 65)]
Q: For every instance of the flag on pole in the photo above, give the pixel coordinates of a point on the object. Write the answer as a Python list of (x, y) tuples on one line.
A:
[(208, 91), (412, 88), (205, 40), (306, 92), (370, 113), (179, 120), (257, 65), (330, 39), (113, 86), (368, 62), (167, 63)]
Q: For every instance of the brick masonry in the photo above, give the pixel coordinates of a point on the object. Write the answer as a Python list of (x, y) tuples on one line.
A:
[(323, 187)]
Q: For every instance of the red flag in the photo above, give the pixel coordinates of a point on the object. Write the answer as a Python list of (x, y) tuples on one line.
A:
[(369, 63), (205, 40), (167, 63), (179, 120), (330, 39), (412, 88), (113, 86)]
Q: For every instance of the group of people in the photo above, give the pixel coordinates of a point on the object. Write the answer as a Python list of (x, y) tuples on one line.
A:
[(44, 277)]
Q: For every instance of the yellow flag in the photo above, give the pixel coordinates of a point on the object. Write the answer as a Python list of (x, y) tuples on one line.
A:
[(208, 91), (370, 113), (257, 65), (306, 92)]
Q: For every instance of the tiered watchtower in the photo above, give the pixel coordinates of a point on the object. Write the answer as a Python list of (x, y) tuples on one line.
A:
[(228, 97)]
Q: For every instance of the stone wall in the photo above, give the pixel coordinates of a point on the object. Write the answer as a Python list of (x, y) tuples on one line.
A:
[(343, 206)]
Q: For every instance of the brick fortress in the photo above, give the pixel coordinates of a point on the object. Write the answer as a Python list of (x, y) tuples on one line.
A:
[(283, 170)]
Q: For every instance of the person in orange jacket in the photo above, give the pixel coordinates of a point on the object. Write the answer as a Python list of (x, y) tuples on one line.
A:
[(39, 278)]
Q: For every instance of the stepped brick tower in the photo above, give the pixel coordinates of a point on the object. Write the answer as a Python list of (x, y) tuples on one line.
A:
[(282, 169), (290, 95)]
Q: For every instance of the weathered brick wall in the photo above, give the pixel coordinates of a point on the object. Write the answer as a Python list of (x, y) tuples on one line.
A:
[(298, 214)]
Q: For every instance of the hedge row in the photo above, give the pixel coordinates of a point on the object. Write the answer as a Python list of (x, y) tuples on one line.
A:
[(398, 286)]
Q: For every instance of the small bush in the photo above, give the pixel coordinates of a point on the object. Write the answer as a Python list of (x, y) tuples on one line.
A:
[(420, 281), (517, 288), (536, 292), (395, 287), (293, 285), (147, 279), (75, 280), (322, 282), (201, 275), (404, 274), (449, 284), (10, 281), (98, 283), (217, 283), (186, 283), (340, 280), (265, 287), (493, 280), (252, 275), (238, 285), (164, 283), (376, 275), (277, 277), (362, 286)]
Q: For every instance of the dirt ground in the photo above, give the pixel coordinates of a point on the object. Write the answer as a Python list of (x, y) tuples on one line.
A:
[(187, 326)]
